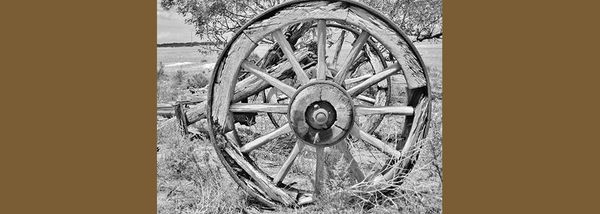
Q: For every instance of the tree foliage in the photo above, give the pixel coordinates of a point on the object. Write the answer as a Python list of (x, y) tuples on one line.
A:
[(217, 20), (419, 18)]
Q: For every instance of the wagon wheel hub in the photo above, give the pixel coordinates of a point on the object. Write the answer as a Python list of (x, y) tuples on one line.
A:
[(321, 113)]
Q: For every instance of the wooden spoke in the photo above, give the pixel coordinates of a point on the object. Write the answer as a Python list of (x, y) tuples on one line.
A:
[(265, 138), (356, 48), (401, 110), (357, 79), (321, 43), (286, 89), (338, 48), (372, 140), (289, 53), (285, 168), (366, 99), (356, 90), (320, 169), (259, 107), (353, 168)]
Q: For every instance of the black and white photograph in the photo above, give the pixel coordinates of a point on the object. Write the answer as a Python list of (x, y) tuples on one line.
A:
[(322, 106)]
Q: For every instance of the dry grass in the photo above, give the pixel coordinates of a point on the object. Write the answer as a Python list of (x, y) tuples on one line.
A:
[(191, 180)]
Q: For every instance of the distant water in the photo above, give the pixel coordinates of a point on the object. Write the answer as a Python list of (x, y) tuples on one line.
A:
[(209, 65), (178, 64), (190, 60)]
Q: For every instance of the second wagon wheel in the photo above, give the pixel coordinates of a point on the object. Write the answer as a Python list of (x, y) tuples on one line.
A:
[(322, 111)]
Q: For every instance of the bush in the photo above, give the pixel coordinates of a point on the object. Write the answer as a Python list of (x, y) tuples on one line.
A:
[(197, 81), (178, 78), (160, 74)]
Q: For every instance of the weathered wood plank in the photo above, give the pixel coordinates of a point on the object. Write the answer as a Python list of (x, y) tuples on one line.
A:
[(367, 110), (258, 107)]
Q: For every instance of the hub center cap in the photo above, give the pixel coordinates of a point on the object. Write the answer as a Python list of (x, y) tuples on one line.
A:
[(321, 116), (321, 113)]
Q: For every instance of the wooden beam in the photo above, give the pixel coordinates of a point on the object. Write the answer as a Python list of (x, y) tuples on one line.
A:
[(367, 110), (259, 107)]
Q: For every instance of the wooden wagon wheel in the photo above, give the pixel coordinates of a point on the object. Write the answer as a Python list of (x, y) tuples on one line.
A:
[(321, 112), (372, 56)]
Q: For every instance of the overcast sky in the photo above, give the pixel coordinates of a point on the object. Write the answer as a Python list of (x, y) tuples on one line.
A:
[(172, 28)]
